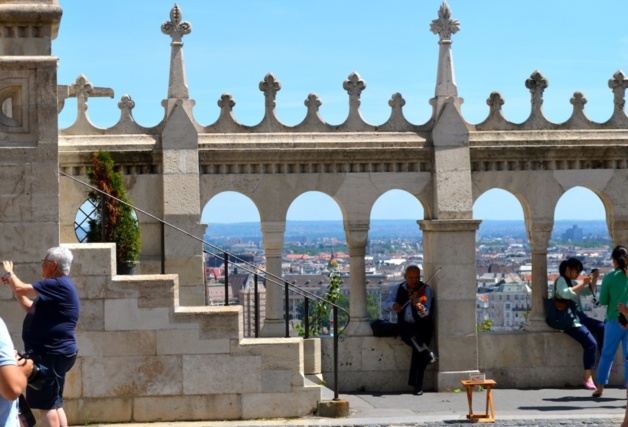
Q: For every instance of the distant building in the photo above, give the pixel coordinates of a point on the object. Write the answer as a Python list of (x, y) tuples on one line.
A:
[(573, 234), (241, 291)]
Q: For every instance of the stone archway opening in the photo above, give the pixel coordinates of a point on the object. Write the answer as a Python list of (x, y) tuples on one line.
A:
[(580, 231), (395, 241), (315, 252), (503, 263), (233, 226)]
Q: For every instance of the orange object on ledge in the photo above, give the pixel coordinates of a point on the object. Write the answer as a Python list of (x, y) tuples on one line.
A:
[(489, 414)]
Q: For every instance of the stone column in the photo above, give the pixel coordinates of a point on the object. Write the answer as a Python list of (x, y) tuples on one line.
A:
[(450, 245), (273, 235), (29, 172), (619, 231), (539, 234), (181, 188), (181, 205), (357, 237)]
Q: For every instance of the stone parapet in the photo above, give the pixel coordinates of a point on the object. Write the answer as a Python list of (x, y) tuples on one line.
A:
[(146, 358)]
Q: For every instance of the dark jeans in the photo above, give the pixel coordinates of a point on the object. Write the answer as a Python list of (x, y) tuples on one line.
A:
[(590, 336), (54, 367), (423, 335)]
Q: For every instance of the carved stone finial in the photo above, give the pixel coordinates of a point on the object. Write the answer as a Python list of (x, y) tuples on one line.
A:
[(618, 84), (354, 86), (396, 101), (495, 102), (537, 85), (226, 102), (536, 82), (578, 100), (126, 103), (176, 27), (444, 26), (270, 86), (312, 103), (83, 89)]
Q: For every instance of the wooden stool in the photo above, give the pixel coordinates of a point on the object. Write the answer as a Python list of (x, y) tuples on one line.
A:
[(486, 417)]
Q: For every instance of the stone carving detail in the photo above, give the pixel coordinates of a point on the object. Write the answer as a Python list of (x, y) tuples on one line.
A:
[(21, 31), (176, 27), (270, 86), (226, 121), (397, 121), (354, 85), (444, 26), (313, 121), (313, 102), (226, 103), (537, 85), (126, 104), (127, 124), (82, 89), (618, 84)]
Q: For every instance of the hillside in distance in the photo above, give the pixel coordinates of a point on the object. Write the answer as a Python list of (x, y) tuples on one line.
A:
[(297, 230), (383, 229)]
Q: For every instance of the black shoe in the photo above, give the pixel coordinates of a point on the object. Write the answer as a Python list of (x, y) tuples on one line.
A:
[(418, 392)]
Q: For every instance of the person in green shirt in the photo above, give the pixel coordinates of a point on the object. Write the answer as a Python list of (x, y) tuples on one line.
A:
[(614, 292)]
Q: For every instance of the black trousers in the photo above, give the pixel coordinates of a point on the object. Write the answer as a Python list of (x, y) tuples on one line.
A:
[(422, 332)]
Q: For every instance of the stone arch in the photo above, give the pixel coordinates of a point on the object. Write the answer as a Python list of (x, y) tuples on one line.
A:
[(393, 204), (580, 197), (229, 200), (396, 197), (503, 294), (311, 267), (228, 207), (580, 203), (319, 197)]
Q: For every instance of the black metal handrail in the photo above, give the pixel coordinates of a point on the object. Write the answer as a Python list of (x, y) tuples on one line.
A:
[(256, 271), (273, 279)]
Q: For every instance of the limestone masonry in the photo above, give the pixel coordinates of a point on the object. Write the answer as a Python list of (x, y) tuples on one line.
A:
[(150, 350)]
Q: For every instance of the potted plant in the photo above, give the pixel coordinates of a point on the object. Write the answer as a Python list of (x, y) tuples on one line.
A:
[(112, 220)]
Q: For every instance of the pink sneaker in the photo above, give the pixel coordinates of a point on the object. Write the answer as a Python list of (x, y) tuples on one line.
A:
[(589, 385)]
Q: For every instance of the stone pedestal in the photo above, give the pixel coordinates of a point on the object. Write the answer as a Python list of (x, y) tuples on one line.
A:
[(333, 408)]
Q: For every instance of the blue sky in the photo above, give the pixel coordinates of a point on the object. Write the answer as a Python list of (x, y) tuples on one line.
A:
[(313, 47)]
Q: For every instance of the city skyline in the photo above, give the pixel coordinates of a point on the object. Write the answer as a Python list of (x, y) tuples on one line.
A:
[(313, 47)]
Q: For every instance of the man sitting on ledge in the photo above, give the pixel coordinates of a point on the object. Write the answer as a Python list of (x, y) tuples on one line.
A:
[(412, 301)]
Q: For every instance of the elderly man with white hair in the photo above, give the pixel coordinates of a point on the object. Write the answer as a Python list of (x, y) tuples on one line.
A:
[(52, 311)]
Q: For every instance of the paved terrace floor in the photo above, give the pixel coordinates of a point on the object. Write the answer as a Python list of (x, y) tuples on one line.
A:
[(513, 407)]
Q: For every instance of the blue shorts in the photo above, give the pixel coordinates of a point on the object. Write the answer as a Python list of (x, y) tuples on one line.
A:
[(54, 367)]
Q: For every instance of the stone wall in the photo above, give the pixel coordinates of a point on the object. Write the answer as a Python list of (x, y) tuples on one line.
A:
[(145, 358), (514, 360)]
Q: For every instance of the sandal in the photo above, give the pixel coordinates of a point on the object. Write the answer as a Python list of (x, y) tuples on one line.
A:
[(589, 385)]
